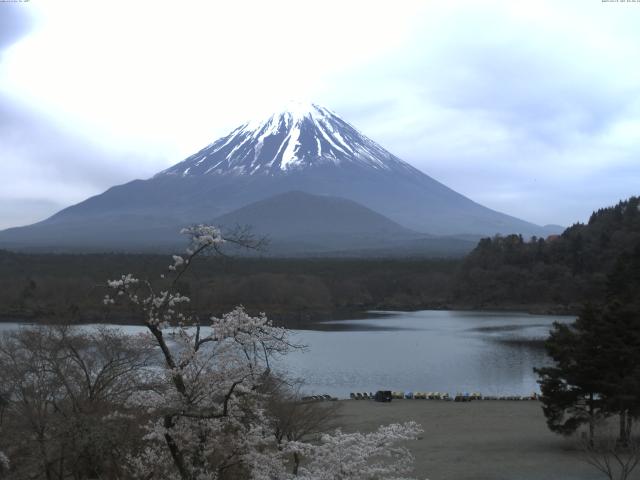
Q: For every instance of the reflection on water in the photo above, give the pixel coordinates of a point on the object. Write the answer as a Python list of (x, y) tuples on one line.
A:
[(446, 351)]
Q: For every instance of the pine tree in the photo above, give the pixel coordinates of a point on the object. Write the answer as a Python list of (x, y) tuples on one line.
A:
[(596, 370), (571, 388), (622, 317)]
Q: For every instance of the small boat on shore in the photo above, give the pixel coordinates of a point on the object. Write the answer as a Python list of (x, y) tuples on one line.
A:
[(458, 397)]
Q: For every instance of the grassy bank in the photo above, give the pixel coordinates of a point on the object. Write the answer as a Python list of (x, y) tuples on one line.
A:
[(479, 440)]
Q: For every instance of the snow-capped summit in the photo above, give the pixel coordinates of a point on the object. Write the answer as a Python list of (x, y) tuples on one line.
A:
[(299, 136), (249, 175)]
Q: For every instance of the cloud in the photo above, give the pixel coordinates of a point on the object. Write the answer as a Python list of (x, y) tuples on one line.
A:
[(15, 22), (45, 167), (532, 114)]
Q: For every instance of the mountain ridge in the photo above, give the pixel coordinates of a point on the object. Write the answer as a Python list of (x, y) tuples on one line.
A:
[(307, 148)]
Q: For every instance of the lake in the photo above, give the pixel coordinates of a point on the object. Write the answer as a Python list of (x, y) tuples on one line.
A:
[(446, 351)]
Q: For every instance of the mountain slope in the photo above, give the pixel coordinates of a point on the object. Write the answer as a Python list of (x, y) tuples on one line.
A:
[(300, 224), (303, 148), (298, 214)]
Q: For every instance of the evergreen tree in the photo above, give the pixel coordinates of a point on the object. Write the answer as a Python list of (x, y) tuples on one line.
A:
[(597, 359), (570, 388), (622, 316)]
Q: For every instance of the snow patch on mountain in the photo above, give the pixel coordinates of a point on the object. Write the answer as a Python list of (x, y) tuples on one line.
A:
[(299, 136)]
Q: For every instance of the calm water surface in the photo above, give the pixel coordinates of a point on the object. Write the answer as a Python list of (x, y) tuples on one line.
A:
[(445, 351)]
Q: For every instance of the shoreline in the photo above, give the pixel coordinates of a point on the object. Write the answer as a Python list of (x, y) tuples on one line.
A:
[(315, 319)]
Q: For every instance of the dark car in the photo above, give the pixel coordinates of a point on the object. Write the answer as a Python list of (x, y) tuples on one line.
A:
[(383, 396)]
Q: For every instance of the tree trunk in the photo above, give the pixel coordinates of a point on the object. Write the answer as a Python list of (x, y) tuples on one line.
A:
[(43, 454), (623, 437), (592, 421), (176, 454), (296, 463)]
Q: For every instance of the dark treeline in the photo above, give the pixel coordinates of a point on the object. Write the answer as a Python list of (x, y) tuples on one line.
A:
[(291, 291), (560, 271), (557, 274)]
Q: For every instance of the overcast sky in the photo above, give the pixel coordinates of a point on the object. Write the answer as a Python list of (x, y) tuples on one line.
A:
[(529, 107)]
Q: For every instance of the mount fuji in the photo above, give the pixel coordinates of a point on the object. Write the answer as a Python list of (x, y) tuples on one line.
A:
[(304, 148), (301, 137)]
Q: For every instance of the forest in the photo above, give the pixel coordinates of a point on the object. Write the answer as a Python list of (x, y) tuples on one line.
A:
[(292, 291), (560, 271), (552, 275)]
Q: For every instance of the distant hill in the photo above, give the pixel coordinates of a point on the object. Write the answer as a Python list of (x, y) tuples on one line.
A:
[(298, 214), (563, 269), (298, 223)]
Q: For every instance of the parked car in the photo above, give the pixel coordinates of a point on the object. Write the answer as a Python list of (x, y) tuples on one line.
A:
[(383, 396)]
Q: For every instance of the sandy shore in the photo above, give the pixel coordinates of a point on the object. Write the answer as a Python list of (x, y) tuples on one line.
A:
[(480, 440)]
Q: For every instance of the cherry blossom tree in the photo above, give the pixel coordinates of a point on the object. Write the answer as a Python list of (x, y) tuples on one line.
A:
[(359, 456), (211, 418)]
